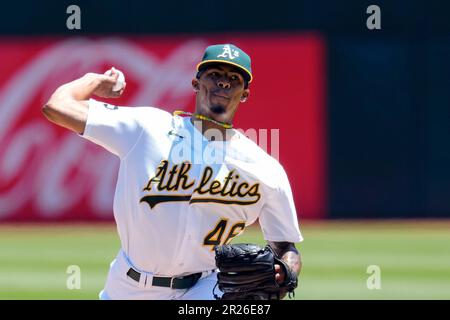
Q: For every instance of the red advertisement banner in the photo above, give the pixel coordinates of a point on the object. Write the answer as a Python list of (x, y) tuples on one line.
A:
[(49, 173)]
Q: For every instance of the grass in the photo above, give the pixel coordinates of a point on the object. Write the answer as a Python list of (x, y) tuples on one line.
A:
[(414, 259)]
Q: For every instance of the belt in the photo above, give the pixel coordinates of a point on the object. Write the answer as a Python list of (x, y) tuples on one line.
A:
[(184, 282)]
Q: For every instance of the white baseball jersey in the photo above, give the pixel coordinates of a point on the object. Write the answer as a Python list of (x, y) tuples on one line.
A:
[(178, 194)]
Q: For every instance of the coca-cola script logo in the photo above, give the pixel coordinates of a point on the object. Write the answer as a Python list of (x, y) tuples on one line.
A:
[(48, 172)]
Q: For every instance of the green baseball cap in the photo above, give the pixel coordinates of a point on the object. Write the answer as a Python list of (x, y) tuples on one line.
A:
[(228, 54)]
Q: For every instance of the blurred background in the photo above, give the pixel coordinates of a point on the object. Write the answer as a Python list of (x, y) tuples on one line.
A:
[(363, 118)]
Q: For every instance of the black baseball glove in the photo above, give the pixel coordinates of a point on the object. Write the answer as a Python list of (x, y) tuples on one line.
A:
[(247, 272)]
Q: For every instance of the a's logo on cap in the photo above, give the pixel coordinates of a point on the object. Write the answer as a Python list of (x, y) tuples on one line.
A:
[(227, 51)]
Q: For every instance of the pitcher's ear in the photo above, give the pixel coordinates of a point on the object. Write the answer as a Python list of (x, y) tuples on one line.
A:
[(245, 95), (195, 85)]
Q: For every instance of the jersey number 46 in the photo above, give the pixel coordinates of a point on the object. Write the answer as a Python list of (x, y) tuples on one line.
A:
[(215, 237)]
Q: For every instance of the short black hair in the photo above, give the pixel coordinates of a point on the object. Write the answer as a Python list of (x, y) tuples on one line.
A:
[(207, 66)]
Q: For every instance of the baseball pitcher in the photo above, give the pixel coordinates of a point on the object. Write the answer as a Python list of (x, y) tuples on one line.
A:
[(188, 183)]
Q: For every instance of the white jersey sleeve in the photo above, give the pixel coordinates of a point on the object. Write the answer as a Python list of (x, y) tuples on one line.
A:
[(117, 129), (278, 218)]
